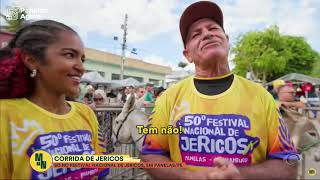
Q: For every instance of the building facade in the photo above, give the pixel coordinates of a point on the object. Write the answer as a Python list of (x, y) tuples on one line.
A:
[(109, 65)]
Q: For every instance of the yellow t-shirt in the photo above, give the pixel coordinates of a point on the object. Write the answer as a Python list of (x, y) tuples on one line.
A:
[(241, 124), (26, 127)]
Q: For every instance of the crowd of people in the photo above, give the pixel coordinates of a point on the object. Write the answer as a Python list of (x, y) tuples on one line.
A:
[(145, 96)]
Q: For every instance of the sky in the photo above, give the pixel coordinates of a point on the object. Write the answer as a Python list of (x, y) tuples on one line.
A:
[(153, 25)]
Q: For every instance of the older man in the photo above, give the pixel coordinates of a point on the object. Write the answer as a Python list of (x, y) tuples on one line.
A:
[(231, 126), (286, 98)]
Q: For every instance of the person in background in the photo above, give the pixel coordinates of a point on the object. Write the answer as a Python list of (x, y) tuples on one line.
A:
[(140, 98), (140, 92), (83, 91), (99, 99), (276, 85), (158, 91), (286, 98), (131, 91), (119, 94), (148, 98), (124, 95), (88, 97), (112, 94), (42, 65)]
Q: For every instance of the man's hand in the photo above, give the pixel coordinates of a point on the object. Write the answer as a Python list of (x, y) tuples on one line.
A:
[(293, 105), (223, 169), (226, 170)]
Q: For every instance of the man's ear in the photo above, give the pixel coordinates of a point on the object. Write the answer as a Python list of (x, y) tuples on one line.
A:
[(227, 36), (29, 61), (187, 56)]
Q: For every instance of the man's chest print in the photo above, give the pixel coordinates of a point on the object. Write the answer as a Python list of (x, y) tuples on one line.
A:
[(206, 136)]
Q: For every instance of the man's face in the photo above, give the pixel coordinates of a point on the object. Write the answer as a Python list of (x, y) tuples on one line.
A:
[(131, 90), (206, 41), (149, 88), (287, 94), (140, 92), (126, 90), (91, 90)]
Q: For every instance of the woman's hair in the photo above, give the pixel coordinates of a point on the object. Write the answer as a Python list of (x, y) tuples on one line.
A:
[(101, 93), (33, 38)]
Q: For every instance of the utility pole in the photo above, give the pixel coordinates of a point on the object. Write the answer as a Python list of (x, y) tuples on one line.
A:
[(124, 45)]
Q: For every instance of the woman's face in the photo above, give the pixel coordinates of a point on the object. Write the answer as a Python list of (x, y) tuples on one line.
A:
[(63, 67), (98, 99)]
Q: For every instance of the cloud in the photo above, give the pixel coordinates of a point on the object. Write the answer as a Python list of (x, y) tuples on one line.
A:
[(159, 60), (146, 18), (151, 18), (245, 14), (298, 18)]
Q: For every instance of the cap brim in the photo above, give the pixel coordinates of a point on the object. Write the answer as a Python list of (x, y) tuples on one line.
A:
[(196, 11)]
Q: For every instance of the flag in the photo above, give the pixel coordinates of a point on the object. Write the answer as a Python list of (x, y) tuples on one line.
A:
[(134, 51)]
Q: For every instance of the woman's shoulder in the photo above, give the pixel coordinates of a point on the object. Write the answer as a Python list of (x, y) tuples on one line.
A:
[(81, 108), (13, 105), (79, 105), (12, 102)]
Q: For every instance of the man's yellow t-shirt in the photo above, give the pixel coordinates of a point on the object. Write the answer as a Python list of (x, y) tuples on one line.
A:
[(26, 128), (241, 124)]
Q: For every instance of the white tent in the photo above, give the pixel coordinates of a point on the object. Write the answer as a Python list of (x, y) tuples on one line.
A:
[(126, 82), (300, 78), (177, 75), (94, 78)]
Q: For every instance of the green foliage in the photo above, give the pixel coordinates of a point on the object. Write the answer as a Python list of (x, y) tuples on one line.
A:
[(269, 55), (303, 56), (316, 67), (15, 20)]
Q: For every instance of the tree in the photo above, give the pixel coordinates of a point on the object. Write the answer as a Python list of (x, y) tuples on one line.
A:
[(316, 68), (269, 55), (15, 19), (182, 64), (303, 57)]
